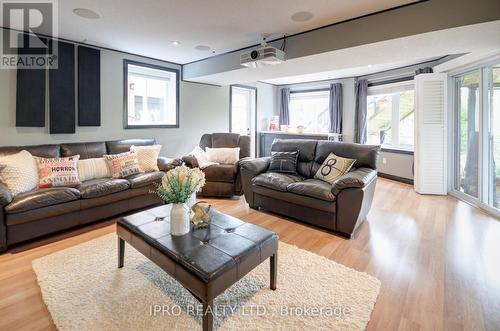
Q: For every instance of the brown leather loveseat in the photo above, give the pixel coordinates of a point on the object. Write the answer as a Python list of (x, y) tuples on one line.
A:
[(341, 207), (43, 211), (222, 180)]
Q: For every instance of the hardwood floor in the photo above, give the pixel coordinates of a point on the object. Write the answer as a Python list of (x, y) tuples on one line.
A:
[(438, 260)]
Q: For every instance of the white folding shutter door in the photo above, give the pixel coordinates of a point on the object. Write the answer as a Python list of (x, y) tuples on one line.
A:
[(431, 134)]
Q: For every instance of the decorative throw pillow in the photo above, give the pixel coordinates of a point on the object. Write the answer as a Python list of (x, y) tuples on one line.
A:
[(201, 157), (123, 164), (58, 171), (93, 168), (285, 162), (333, 167), (19, 172), (223, 155), (147, 156)]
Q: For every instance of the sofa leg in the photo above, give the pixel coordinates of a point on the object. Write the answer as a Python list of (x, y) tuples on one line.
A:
[(253, 207), (3, 249)]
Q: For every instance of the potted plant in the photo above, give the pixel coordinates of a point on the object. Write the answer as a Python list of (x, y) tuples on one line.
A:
[(178, 186)]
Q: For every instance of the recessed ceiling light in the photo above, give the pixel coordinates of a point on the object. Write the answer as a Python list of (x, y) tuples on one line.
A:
[(302, 16), (86, 13), (175, 43), (202, 48)]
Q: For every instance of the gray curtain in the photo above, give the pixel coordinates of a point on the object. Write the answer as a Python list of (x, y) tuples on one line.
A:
[(335, 108), (426, 70), (361, 117), (284, 111)]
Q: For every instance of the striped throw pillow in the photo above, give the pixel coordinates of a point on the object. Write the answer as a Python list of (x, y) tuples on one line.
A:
[(285, 162)]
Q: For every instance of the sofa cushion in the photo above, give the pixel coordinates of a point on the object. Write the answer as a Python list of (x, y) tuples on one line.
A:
[(98, 187), (365, 155), (145, 179), (41, 198), (221, 173), (301, 200), (85, 150), (123, 165), (334, 167), (18, 172), (306, 148), (313, 188), (122, 146), (276, 181), (147, 157), (284, 162), (36, 150)]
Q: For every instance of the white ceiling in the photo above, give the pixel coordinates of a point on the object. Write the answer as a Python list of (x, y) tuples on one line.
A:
[(147, 27), (347, 72), (368, 58)]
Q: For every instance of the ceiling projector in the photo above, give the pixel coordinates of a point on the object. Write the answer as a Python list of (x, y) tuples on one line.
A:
[(262, 56)]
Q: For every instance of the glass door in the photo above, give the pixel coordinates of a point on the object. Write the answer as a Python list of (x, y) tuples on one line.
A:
[(476, 151), (243, 108), (467, 123), (494, 138)]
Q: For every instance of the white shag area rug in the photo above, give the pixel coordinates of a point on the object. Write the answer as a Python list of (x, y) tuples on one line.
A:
[(84, 290)]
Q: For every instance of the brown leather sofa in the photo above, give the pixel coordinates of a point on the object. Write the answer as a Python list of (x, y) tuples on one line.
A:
[(341, 207), (44, 211), (222, 180)]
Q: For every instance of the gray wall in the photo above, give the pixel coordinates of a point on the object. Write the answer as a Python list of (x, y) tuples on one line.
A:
[(396, 164), (203, 108)]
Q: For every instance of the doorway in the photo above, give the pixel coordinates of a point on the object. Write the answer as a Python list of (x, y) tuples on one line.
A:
[(243, 113)]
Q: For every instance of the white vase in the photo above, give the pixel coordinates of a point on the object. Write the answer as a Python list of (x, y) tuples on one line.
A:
[(179, 219), (191, 201)]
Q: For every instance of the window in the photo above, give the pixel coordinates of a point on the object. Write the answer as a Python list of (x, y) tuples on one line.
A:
[(151, 94), (391, 114), (310, 109)]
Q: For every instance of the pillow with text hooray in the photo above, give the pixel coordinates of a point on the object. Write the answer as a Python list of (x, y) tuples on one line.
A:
[(19, 172), (147, 156), (58, 171), (223, 155), (93, 168), (333, 167), (123, 164)]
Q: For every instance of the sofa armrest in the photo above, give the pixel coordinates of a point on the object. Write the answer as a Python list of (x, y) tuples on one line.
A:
[(190, 161), (5, 195), (255, 166), (165, 164), (358, 178), (249, 168)]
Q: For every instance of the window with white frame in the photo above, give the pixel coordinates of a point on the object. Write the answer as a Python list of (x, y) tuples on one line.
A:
[(310, 110), (390, 116), (151, 96)]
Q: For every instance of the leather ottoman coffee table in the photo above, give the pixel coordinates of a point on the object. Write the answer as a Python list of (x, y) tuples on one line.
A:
[(205, 261)]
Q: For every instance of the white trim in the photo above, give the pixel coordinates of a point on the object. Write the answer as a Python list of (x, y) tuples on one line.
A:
[(391, 88), (469, 62)]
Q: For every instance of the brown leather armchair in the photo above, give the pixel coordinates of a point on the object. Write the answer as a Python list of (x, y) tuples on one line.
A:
[(222, 180)]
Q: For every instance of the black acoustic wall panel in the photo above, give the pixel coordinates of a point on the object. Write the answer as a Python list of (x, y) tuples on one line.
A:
[(62, 90), (30, 92), (89, 86)]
